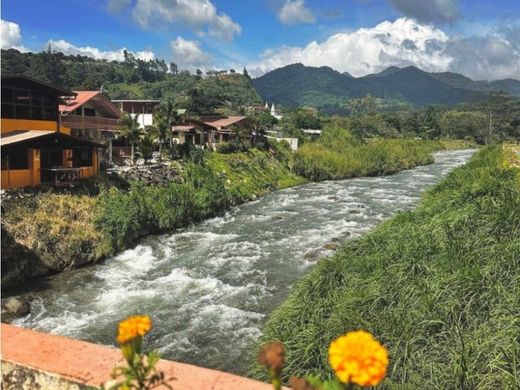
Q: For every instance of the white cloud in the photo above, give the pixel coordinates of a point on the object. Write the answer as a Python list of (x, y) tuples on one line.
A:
[(367, 50), (489, 57), (188, 54), (11, 36), (196, 14), (428, 10), (295, 12), (89, 51)]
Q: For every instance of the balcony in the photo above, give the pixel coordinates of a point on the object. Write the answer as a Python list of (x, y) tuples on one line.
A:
[(90, 122)]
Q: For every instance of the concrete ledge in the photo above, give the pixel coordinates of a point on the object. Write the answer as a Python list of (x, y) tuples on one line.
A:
[(32, 359)]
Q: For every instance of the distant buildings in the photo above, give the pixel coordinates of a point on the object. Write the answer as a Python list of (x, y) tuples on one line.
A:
[(35, 147), (143, 108)]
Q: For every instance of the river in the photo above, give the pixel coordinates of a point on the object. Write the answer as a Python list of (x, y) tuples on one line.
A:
[(209, 288)]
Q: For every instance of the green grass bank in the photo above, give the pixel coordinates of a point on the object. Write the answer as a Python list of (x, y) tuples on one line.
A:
[(439, 286)]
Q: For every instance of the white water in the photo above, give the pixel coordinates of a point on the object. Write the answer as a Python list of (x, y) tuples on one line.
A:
[(209, 288)]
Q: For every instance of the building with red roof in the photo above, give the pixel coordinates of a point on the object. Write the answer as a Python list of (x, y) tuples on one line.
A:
[(91, 115)]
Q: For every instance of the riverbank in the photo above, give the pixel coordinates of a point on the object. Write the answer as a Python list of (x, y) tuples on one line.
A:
[(51, 232), (439, 286)]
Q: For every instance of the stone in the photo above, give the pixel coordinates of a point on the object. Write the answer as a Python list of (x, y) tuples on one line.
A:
[(331, 246), (18, 306)]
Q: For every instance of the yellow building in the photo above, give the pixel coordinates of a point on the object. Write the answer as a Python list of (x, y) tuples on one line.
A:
[(35, 149)]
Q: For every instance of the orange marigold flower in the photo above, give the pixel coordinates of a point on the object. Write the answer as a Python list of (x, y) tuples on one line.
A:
[(358, 358), (133, 327)]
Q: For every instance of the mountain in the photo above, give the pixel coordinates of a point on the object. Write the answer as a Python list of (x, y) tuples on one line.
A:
[(325, 88)]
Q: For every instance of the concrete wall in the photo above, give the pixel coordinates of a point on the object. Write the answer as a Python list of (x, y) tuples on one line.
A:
[(293, 142), (34, 360)]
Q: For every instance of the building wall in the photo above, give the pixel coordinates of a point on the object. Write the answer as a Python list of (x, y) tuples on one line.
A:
[(16, 178), (31, 177), (9, 125), (144, 120)]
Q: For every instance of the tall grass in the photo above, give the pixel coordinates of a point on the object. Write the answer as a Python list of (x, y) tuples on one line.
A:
[(338, 154), (440, 286)]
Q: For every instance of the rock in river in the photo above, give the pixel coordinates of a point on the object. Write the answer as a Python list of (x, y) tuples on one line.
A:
[(17, 306)]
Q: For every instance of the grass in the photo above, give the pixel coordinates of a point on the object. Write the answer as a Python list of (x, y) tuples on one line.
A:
[(439, 286), (338, 154)]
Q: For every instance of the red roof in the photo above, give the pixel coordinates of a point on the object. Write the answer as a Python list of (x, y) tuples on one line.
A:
[(85, 96), (225, 122)]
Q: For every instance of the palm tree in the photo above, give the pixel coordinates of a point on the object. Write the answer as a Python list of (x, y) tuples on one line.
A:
[(162, 131), (130, 130), (146, 143), (169, 113)]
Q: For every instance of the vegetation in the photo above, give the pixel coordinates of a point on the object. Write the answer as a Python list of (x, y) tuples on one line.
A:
[(440, 285), (136, 79), (338, 154)]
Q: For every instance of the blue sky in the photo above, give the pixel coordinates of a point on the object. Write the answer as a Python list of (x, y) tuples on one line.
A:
[(478, 38)]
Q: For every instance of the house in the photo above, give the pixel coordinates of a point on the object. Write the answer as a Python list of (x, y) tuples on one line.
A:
[(35, 147), (193, 132), (209, 129), (224, 127), (91, 115), (145, 109)]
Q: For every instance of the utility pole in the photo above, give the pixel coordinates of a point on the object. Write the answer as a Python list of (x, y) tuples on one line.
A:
[(490, 126)]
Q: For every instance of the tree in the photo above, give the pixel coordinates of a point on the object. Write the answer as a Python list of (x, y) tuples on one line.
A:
[(146, 143), (174, 68), (162, 131), (131, 131), (464, 124), (362, 106)]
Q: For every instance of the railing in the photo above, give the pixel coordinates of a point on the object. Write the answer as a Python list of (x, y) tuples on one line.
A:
[(90, 122)]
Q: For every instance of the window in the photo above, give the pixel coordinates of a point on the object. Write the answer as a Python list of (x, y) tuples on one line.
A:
[(89, 112), (82, 157), (15, 159), (77, 111), (18, 103)]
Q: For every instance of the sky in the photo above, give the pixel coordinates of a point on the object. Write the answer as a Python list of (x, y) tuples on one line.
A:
[(477, 38)]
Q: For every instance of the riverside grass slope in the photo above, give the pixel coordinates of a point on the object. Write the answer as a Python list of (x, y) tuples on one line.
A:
[(439, 286)]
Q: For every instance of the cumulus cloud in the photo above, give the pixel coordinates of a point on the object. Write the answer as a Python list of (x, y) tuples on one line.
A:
[(200, 15), (428, 10), (368, 50), (489, 57), (188, 54), (295, 12), (11, 36), (89, 51)]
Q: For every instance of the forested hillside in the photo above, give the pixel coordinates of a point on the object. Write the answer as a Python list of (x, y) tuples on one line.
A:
[(327, 89), (135, 78)]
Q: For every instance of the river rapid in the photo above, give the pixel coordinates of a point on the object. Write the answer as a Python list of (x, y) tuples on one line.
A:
[(209, 288)]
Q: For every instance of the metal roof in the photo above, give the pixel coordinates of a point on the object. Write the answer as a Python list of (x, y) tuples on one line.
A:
[(34, 138), (22, 135), (58, 90), (98, 99)]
